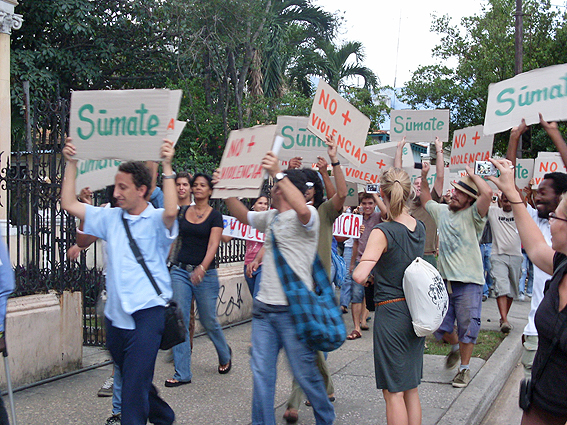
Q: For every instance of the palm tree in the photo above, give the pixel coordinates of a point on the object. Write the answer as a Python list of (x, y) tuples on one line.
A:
[(330, 62), (291, 24)]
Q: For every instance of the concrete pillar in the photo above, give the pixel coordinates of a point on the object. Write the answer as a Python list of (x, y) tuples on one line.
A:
[(8, 21)]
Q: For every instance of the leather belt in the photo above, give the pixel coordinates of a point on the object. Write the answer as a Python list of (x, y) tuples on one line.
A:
[(395, 300), (187, 267)]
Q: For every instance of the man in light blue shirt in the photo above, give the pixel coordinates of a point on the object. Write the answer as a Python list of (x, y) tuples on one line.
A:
[(134, 312), (6, 288)]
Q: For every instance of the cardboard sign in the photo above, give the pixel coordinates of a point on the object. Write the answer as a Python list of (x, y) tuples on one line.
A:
[(331, 115), (470, 145), (298, 141), (390, 148), (547, 162), (419, 126), (451, 177), (525, 96), (370, 170), (96, 174), (524, 171), (122, 124), (238, 230), (240, 169), (347, 225), (352, 193)]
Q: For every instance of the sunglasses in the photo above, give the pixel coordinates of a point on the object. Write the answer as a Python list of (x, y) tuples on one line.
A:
[(309, 184), (553, 216)]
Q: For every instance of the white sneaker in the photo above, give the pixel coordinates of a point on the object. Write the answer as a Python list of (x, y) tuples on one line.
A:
[(522, 297), (107, 388)]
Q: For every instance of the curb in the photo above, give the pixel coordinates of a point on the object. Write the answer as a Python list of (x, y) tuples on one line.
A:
[(472, 405)]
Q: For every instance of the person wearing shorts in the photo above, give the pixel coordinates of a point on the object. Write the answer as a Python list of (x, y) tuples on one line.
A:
[(506, 258), (460, 226)]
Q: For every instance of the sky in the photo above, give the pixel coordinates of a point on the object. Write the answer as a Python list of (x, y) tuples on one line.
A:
[(377, 24)]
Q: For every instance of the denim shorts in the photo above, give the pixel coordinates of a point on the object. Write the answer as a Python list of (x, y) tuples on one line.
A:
[(465, 304), (357, 291)]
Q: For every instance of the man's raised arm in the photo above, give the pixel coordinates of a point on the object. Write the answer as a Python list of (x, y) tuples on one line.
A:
[(69, 201), (169, 191), (439, 168)]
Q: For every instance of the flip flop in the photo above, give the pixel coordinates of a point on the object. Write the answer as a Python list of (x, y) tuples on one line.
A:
[(224, 369), (172, 383), (354, 335)]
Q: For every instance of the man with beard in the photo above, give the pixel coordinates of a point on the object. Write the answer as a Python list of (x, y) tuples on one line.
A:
[(417, 209), (546, 200), (506, 258), (460, 226)]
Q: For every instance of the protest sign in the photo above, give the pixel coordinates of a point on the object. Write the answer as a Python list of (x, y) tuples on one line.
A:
[(240, 168), (178, 127), (352, 193), (525, 96), (419, 126), (122, 124), (547, 162), (524, 171), (389, 149), (331, 115), (470, 145), (298, 141), (450, 177), (96, 174), (347, 225), (370, 169), (234, 228)]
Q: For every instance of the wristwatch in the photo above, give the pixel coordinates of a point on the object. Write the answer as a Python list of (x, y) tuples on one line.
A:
[(280, 176)]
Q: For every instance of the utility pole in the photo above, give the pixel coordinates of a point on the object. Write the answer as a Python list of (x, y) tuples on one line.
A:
[(519, 50)]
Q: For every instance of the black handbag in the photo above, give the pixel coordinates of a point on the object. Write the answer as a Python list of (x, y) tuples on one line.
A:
[(175, 330)]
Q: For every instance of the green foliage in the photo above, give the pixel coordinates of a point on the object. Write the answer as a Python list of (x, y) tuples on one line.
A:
[(483, 46), (370, 104)]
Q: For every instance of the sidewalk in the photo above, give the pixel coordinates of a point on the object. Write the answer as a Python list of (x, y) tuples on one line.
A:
[(216, 399)]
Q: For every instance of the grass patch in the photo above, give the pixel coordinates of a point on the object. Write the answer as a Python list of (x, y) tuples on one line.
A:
[(486, 343)]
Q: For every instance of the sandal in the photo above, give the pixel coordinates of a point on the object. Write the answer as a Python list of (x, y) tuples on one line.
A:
[(354, 335), (291, 416), (364, 328), (344, 310), (171, 383), (224, 369)]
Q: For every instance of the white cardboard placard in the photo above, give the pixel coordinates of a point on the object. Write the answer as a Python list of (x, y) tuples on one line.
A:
[(525, 96), (470, 145), (331, 115), (419, 126)]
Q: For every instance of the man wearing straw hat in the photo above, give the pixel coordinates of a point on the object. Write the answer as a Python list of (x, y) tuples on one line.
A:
[(460, 227)]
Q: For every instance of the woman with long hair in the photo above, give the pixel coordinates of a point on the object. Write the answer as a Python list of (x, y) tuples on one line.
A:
[(398, 351), (193, 273)]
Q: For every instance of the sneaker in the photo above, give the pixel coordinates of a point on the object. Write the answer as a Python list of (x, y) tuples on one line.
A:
[(452, 358), (107, 387), (484, 298), (522, 297), (113, 420), (462, 379), (529, 294)]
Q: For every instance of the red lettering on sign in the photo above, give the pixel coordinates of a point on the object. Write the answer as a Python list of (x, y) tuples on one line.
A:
[(235, 148), (171, 125), (346, 117), (476, 137), (381, 163)]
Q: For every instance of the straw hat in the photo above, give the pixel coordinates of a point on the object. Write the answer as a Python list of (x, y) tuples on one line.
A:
[(466, 185)]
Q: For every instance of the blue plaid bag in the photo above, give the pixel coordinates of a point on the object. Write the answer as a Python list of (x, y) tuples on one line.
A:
[(316, 316)]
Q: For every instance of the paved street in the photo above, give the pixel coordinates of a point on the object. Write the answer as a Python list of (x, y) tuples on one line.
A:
[(216, 399)]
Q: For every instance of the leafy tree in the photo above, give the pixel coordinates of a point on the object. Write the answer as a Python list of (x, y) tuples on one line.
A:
[(483, 46)]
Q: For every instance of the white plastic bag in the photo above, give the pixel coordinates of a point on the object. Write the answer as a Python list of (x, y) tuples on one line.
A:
[(426, 296)]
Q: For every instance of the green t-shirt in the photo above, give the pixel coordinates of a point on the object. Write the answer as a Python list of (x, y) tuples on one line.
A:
[(327, 216), (459, 236)]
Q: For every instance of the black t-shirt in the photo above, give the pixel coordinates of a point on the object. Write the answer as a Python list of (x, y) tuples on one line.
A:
[(195, 238), (550, 391)]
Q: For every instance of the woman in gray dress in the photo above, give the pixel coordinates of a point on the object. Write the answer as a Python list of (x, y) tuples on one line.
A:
[(398, 351)]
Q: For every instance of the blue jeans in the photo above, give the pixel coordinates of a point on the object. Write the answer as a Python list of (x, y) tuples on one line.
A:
[(273, 329), (486, 251), (206, 294), (346, 289), (527, 271), (117, 391), (135, 351), (254, 281)]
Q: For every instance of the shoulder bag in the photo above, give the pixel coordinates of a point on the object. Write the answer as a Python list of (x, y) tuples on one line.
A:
[(175, 330), (316, 316)]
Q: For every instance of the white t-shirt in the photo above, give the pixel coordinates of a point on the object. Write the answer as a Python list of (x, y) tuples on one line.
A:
[(505, 236), (296, 242), (540, 277)]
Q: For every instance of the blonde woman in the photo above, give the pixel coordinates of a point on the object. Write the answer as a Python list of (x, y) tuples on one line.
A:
[(398, 352)]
